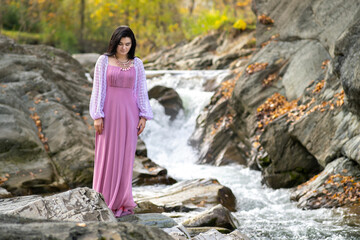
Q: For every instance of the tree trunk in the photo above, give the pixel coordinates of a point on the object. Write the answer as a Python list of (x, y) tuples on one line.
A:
[(191, 7), (235, 8), (2, 3), (82, 25)]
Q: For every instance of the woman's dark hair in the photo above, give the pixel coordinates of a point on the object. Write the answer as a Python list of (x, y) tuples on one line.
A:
[(121, 32)]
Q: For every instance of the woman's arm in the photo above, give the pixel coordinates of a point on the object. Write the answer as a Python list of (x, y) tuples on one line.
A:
[(142, 93), (99, 90)]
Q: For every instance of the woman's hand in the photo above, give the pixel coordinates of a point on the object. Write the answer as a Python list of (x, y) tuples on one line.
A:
[(141, 125), (99, 125)]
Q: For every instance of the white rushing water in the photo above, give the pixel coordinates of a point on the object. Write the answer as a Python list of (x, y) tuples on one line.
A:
[(263, 213)]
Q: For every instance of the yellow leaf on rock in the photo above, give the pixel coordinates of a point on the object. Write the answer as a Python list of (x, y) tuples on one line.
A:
[(240, 24)]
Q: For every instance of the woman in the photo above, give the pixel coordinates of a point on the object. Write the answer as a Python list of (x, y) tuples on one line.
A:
[(120, 106)]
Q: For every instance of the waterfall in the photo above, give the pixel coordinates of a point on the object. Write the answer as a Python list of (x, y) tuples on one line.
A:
[(263, 213)]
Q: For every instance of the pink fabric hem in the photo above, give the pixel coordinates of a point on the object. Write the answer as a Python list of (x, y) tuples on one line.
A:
[(123, 211)]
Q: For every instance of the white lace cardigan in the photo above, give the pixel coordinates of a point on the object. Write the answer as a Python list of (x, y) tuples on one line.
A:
[(98, 93)]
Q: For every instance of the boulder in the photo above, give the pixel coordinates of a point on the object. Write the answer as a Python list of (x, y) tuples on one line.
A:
[(185, 196), (217, 216), (16, 227), (337, 185), (79, 205), (169, 98), (44, 120), (4, 193), (146, 172)]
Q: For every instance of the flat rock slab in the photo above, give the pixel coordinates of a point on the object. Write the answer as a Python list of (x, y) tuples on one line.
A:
[(15, 227), (150, 219), (11, 204), (80, 204), (186, 196)]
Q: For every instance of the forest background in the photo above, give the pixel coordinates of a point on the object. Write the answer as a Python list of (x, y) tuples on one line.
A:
[(80, 26)]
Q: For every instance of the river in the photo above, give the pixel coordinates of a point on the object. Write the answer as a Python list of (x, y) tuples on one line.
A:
[(263, 213)]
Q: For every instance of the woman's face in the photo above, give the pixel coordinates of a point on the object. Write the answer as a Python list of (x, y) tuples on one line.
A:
[(124, 46)]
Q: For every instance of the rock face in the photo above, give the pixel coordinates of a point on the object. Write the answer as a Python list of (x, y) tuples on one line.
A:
[(346, 63), (213, 51), (336, 186), (291, 163), (319, 126), (79, 205), (214, 135), (44, 102), (293, 108), (15, 227)]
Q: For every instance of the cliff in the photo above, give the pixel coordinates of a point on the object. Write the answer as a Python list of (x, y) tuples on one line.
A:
[(293, 111)]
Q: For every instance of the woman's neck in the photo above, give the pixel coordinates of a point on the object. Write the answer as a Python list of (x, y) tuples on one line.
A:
[(121, 57)]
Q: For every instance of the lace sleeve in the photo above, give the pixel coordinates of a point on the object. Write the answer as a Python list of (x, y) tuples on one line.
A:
[(99, 89), (142, 93)]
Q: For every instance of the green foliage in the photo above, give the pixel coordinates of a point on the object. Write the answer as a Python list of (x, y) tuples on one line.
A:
[(264, 162), (204, 22), (11, 17), (156, 23), (23, 37)]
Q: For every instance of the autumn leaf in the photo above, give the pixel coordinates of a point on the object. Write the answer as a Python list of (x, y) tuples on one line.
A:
[(324, 64), (319, 86), (265, 19), (270, 79), (255, 67)]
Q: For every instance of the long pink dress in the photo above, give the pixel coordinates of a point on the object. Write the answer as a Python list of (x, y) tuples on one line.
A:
[(115, 147)]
